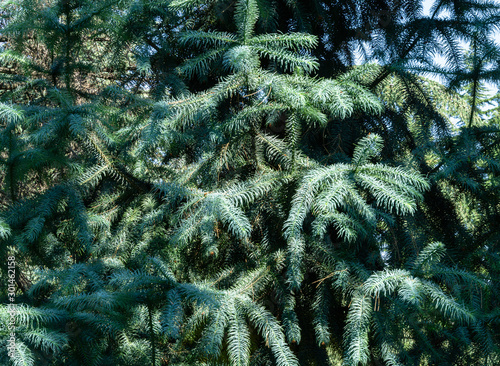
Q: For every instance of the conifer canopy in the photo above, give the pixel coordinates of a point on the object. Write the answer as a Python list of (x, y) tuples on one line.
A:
[(249, 182)]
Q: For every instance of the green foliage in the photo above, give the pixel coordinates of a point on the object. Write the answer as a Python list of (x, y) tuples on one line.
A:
[(218, 183)]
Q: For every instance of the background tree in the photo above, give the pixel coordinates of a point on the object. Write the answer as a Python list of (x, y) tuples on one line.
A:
[(219, 182)]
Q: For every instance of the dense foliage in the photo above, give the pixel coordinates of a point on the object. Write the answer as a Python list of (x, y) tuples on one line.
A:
[(250, 182)]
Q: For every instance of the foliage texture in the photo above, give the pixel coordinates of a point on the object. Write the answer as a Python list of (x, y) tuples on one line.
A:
[(250, 182)]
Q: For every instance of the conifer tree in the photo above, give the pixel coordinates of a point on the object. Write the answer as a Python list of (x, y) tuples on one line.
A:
[(217, 183)]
